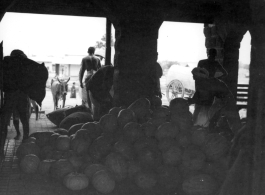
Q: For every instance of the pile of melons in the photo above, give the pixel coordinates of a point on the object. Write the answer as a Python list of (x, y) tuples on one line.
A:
[(147, 146)]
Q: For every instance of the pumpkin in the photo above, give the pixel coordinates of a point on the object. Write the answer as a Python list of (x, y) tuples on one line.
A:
[(74, 128), (82, 134), (216, 146), (198, 136), (117, 165), (109, 123), (201, 184), (166, 130), (145, 142), (172, 156), (139, 105), (103, 182), (91, 169), (76, 118), (61, 131), (61, 168), (44, 166), (29, 163), (168, 176), (100, 147), (125, 116), (115, 111), (63, 143), (125, 149), (27, 148), (94, 129), (146, 179), (132, 132), (193, 158), (148, 129), (75, 181), (184, 139)]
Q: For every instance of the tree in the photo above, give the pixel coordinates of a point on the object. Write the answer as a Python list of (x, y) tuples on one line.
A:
[(102, 43)]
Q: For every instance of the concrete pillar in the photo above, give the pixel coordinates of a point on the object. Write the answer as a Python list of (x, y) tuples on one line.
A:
[(231, 55), (135, 56)]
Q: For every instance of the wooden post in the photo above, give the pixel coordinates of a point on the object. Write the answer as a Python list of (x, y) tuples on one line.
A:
[(108, 43)]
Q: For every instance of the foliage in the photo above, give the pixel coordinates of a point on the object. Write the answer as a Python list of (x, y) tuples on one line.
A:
[(102, 43)]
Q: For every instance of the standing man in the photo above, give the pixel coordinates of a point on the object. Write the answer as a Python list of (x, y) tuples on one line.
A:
[(90, 64), (208, 87)]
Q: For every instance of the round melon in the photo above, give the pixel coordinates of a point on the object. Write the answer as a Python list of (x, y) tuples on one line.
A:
[(45, 151), (74, 128), (27, 148), (201, 184), (91, 169), (198, 136), (166, 143), (146, 179), (166, 130), (115, 111), (44, 166), (76, 118), (148, 129), (149, 157), (193, 158), (216, 146), (63, 143), (82, 134), (172, 156), (169, 176), (103, 182), (80, 146), (77, 161), (94, 129), (161, 112), (109, 123), (75, 181), (132, 132), (118, 166), (133, 168), (125, 149), (61, 168), (29, 163), (125, 116), (61, 131)]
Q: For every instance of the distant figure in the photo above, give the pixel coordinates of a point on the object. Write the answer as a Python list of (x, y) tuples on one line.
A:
[(100, 88), (212, 94), (91, 64), (73, 91), (157, 75)]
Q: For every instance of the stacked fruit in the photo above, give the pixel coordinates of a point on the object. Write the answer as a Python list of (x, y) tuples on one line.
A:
[(147, 145)]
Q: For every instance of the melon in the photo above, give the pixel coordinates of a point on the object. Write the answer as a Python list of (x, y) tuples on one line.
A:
[(77, 161), (146, 179), (216, 146), (109, 123), (91, 169), (80, 146), (118, 166), (44, 166), (161, 112), (166, 143), (27, 148), (61, 168), (115, 111), (133, 168), (132, 132), (61, 131), (74, 128), (148, 129), (198, 136), (45, 151), (125, 116), (94, 129), (155, 102), (172, 156), (166, 130), (150, 158), (201, 184), (76, 118), (157, 121), (169, 176), (82, 134), (193, 158), (125, 149), (29, 163), (103, 182), (75, 181), (184, 139), (63, 143)]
